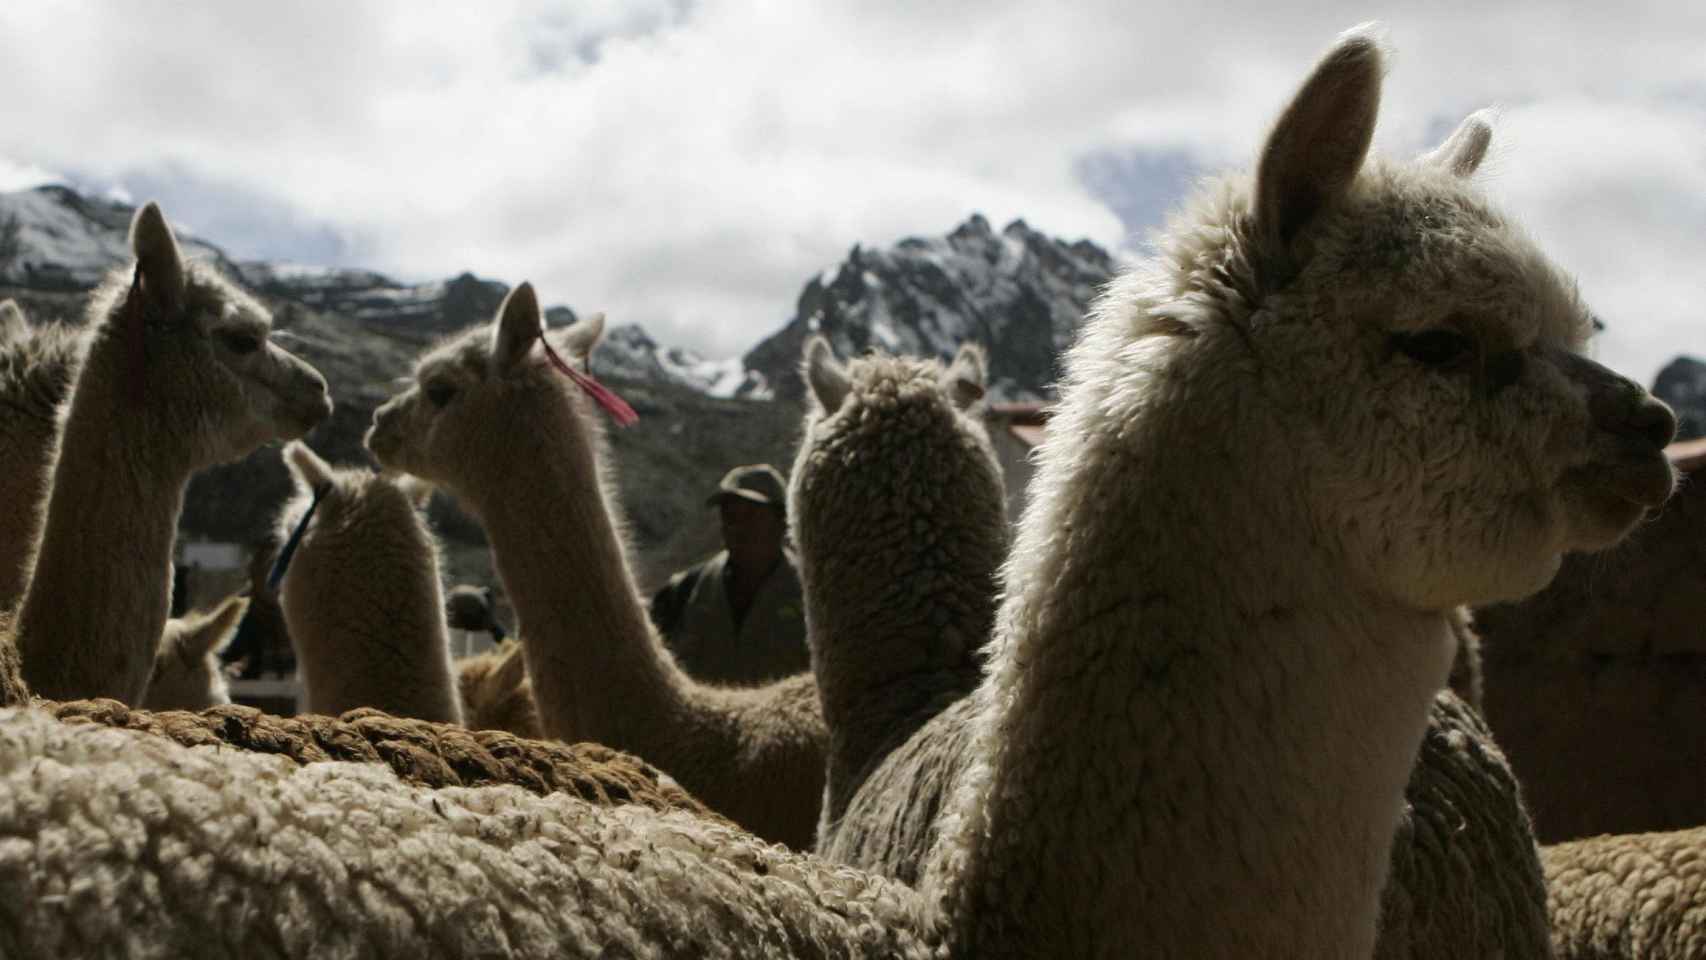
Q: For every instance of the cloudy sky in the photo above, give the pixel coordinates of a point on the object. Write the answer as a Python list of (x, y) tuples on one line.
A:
[(687, 165)]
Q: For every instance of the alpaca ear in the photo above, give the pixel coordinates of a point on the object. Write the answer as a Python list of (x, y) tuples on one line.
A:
[(157, 258), (512, 671), (966, 377), (828, 379), (417, 490), (310, 471), (519, 325), (14, 326), (578, 338), (1463, 151), (1315, 150), (213, 633)]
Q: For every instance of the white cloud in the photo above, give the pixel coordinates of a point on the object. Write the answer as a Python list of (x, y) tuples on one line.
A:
[(22, 176), (688, 166)]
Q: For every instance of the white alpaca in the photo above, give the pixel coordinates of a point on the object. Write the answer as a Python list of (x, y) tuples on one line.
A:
[(897, 511), (177, 375), (1342, 402), (361, 593), (1345, 398), (1634, 896), (141, 847), (519, 444), (187, 673)]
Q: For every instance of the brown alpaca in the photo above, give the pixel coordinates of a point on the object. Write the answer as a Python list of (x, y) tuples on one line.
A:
[(419, 751), (187, 673), (178, 375), (519, 444), (361, 593), (37, 366), (495, 692)]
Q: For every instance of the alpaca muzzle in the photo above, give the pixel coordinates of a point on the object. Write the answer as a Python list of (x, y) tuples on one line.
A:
[(1640, 473)]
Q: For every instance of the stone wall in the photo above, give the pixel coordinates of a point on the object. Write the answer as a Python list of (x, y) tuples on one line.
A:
[(1596, 687)]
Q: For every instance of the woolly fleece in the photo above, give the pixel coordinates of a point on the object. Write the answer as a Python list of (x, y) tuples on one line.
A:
[(114, 842), (1637, 896)]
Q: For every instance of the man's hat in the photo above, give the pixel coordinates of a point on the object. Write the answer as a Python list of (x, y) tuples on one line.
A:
[(757, 482)]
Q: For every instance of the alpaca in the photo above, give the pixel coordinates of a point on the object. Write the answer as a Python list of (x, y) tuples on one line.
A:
[(361, 593), (467, 607), (521, 447), (37, 365), (1465, 879), (898, 513), (1223, 624), (177, 374), (1345, 398), (495, 692), (187, 672), (887, 469), (136, 846), (1637, 896), (1466, 677)]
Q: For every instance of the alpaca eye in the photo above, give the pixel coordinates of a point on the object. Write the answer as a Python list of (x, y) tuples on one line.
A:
[(440, 393), (1434, 348), (1504, 369), (240, 342)]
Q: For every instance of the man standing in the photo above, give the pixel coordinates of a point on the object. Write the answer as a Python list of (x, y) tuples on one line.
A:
[(737, 617)]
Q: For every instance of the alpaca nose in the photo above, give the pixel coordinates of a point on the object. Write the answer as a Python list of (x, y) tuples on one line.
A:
[(1654, 421)]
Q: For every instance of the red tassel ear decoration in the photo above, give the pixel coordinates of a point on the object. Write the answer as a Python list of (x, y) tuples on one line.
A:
[(602, 395)]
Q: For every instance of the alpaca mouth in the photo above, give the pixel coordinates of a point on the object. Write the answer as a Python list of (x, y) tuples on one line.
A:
[(382, 452), (1644, 479), (301, 418)]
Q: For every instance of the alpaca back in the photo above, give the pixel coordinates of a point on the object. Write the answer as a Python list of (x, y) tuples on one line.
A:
[(1465, 878), (344, 859), (361, 596), (1629, 896)]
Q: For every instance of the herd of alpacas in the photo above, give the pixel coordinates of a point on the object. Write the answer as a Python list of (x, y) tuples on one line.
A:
[(1196, 706)]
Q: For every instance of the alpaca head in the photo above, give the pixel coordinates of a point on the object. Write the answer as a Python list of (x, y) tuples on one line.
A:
[(885, 428), (194, 357), (187, 674), (364, 524), (1403, 360), (486, 403), (894, 446)]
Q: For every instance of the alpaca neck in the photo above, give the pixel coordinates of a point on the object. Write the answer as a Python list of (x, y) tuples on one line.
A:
[(1230, 725), (889, 655), (101, 587), (598, 670)]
